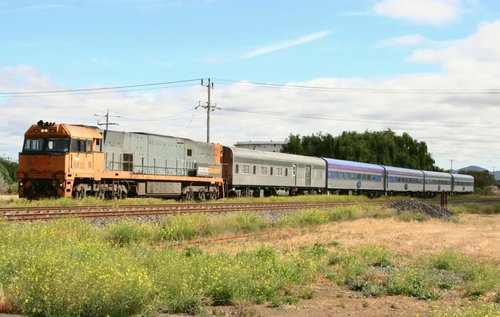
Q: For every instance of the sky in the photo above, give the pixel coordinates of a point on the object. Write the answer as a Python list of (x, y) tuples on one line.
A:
[(430, 68)]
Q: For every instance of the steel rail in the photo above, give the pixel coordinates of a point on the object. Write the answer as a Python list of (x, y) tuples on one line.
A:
[(50, 213), (116, 211)]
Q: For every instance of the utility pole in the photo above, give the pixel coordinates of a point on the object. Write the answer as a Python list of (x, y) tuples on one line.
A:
[(107, 124), (209, 108), (451, 169)]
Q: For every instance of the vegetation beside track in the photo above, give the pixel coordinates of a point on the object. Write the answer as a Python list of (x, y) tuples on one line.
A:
[(92, 201), (46, 269)]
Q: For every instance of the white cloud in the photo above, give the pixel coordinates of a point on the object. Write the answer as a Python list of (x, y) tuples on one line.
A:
[(285, 44), (410, 39), (433, 12), (476, 57)]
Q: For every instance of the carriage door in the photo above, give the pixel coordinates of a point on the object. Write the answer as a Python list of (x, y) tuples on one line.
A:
[(308, 175), (294, 174)]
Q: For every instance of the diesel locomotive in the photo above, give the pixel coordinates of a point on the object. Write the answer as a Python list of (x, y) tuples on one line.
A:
[(65, 160)]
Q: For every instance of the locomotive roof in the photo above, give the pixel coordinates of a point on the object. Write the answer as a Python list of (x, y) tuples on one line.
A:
[(58, 130), (159, 135)]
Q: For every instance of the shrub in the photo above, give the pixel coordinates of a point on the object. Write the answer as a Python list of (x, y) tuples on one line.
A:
[(478, 277), (306, 218), (359, 269), (47, 270), (242, 222), (413, 282), (129, 231), (186, 227)]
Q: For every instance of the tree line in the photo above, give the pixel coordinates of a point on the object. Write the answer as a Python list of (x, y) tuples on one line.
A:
[(378, 147), (8, 175)]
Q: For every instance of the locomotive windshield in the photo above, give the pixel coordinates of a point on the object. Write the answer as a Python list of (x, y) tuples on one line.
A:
[(46, 145)]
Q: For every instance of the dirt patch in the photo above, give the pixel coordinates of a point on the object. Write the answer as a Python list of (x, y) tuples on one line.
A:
[(474, 235)]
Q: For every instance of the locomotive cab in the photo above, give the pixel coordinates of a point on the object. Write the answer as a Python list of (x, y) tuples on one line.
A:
[(54, 155)]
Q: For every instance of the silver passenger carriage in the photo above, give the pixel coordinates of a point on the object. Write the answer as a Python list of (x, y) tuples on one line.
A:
[(348, 176), (256, 173), (436, 182), (403, 180), (462, 183)]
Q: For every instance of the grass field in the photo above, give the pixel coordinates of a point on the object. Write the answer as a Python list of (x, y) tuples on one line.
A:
[(356, 260)]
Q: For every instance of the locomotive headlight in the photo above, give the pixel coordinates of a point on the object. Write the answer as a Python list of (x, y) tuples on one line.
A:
[(20, 184)]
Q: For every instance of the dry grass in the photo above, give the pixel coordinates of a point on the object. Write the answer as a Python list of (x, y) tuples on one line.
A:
[(474, 235)]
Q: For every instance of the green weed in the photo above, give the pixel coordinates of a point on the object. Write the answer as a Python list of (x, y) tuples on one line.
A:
[(485, 310)]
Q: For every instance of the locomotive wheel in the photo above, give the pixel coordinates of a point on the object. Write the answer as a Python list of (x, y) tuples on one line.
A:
[(201, 195), (100, 194), (80, 192), (188, 195)]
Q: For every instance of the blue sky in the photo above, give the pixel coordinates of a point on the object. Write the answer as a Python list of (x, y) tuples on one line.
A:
[(446, 45)]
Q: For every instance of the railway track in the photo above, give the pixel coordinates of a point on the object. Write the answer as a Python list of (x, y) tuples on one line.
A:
[(19, 214), (51, 213)]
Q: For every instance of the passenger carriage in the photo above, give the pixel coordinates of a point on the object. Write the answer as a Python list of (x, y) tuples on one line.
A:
[(462, 183), (346, 176), (403, 180), (437, 182), (255, 173)]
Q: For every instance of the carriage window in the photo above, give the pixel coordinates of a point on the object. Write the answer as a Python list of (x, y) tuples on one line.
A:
[(254, 169), (189, 152), (245, 169), (237, 168), (263, 170), (279, 171)]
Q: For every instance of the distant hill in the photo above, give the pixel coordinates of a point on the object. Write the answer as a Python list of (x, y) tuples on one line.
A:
[(472, 168), (497, 175)]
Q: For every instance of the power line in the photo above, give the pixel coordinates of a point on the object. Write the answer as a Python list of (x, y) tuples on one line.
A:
[(171, 84), (169, 117), (81, 91), (365, 90), (323, 117)]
